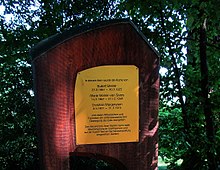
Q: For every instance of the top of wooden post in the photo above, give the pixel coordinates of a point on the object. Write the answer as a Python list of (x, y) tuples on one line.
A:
[(52, 41)]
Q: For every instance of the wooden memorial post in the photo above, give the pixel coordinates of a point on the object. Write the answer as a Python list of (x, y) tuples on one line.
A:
[(96, 93)]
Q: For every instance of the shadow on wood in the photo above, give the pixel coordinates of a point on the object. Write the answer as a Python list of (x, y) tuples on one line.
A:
[(92, 161)]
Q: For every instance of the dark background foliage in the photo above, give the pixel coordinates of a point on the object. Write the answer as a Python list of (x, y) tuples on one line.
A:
[(186, 34)]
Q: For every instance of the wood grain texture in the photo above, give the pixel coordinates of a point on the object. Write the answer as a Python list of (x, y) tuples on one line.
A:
[(55, 73)]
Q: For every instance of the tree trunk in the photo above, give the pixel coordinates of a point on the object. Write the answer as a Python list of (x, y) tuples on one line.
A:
[(206, 103)]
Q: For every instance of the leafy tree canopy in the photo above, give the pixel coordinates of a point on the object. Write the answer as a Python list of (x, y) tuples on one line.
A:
[(186, 34)]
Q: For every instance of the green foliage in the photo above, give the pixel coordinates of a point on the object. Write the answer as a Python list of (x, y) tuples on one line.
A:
[(171, 135), (17, 121), (171, 26)]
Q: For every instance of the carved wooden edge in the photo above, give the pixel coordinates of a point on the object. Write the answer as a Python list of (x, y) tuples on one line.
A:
[(52, 41)]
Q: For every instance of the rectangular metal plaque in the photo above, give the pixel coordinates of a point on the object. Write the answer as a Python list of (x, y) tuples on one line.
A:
[(107, 105)]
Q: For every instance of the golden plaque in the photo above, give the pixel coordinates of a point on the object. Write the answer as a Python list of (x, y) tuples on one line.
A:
[(107, 105)]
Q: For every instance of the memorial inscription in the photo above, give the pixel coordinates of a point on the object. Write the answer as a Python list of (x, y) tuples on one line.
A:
[(106, 105)]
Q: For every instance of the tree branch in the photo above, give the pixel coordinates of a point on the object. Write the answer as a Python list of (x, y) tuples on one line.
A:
[(176, 72)]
